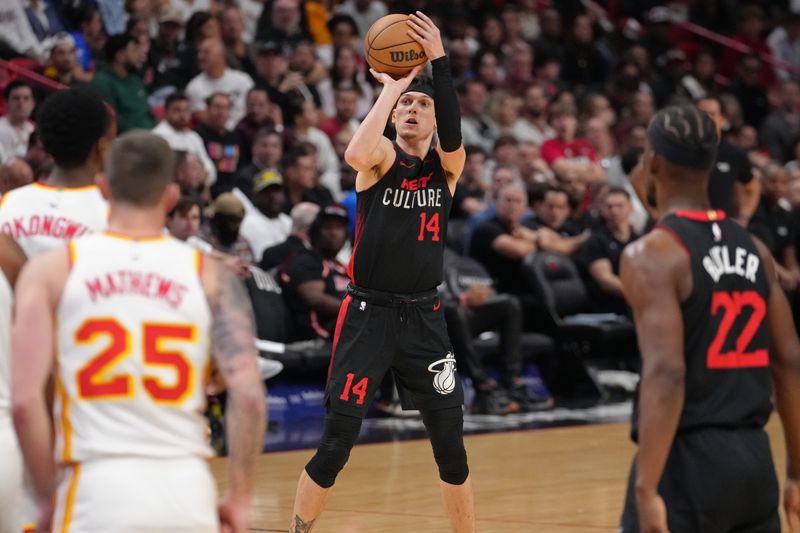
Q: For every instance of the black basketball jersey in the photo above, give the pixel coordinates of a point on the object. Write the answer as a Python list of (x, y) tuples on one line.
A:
[(726, 343), (401, 225)]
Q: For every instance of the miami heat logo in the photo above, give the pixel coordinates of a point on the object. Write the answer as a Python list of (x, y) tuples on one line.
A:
[(445, 379)]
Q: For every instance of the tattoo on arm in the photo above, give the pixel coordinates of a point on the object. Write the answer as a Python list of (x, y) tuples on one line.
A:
[(234, 326), (300, 526)]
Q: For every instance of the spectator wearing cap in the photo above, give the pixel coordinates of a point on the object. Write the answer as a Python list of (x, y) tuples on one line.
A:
[(216, 77), (266, 224), (602, 252), (222, 145), (174, 129), (314, 280), (225, 221), (781, 128), (164, 58), (62, 64), (302, 215), (267, 152), (260, 113), (121, 86), (44, 18), (477, 128), (271, 70), (16, 126), (568, 154), (784, 42)]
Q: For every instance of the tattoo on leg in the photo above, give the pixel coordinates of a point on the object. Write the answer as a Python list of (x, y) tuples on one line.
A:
[(299, 526)]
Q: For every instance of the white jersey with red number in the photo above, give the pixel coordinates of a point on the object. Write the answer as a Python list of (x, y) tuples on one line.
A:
[(133, 350), (41, 217)]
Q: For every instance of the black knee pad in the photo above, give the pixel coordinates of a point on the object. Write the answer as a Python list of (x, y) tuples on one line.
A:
[(446, 431), (341, 432)]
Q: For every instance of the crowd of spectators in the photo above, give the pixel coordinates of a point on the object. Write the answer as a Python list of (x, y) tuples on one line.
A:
[(260, 98)]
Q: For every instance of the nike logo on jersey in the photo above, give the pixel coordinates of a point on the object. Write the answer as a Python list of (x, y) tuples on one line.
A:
[(406, 165)]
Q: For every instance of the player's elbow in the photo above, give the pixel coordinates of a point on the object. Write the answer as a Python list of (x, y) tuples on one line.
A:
[(22, 408), (668, 374), (356, 158)]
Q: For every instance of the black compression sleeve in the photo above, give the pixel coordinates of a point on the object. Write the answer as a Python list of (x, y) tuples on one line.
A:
[(448, 115)]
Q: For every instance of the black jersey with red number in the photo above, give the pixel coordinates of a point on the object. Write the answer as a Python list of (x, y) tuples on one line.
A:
[(726, 342), (401, 224)]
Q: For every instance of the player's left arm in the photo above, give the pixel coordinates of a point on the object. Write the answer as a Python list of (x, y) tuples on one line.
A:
[(12, 258), (650, 271), (448, 115), (37, 293)]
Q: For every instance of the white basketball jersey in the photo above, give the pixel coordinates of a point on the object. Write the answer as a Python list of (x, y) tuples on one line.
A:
[(133, 350), (41, 217), (5, 348)]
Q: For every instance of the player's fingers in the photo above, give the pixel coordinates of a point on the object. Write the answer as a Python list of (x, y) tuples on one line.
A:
[(417, 27), (417, 37), (425, 17), (413, 19), (376, 75)]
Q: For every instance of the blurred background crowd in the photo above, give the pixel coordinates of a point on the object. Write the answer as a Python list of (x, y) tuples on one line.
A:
[(260, 98)]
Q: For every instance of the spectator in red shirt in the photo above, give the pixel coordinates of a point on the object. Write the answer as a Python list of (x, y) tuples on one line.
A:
[(567, 154)]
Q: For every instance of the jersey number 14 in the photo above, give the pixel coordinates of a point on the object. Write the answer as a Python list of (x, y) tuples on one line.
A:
[(429, 225)]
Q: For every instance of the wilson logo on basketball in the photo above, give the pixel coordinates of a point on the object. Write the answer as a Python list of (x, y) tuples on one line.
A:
[(445, 379), (406, 55)]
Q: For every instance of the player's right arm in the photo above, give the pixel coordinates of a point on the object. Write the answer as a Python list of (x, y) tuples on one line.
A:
[(37, 293), (650, 271), (785, 363), (369, 152), (11, 258), (233, 335)]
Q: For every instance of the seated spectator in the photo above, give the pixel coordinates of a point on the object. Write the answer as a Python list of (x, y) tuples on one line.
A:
[(222, 145), (748, 90), (347, 72), (603, 249), (501, 177), (232, 30), (164, 55), (555, 231), (784, 43), (501, 242), (216, 77), (363, 12), (534, 126), (568, 154), (226, 216), (62, 65), (38, 159), (14, 174), (477, 128), (267, 152), (184, 220), (89, 38), (302, 215), (472, 307), (344, 118), (200, 26), (191, 176), (300, 179), (584, 63), (16, 126), (532, 168), (265, 224), (314, 281), (471, 188), (781, 128), (261, 113), (175, 130), (283, 23), (121, 86), (301, 119)]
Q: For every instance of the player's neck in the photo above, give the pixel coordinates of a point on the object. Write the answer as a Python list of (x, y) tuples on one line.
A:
[(136, 222), (685, 197), (418, 149), (73, 177)]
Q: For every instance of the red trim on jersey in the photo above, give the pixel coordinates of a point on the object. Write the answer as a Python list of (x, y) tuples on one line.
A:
[(338, 330), (359, 231), (674, 236), (708, 215)]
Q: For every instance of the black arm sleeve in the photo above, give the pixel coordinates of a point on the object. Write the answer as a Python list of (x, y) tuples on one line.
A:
[(448, 115)]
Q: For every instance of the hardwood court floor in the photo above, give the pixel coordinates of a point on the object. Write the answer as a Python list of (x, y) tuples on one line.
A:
[(564, 480)]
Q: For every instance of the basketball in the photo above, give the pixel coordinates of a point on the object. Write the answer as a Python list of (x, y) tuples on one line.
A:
[(388, 47)]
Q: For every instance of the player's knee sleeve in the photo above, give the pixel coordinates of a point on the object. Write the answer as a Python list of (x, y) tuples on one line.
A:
[(338, 437), (446, 431)]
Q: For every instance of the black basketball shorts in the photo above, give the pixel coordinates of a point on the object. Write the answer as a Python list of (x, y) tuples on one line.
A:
[(715, 481), (377, 332)]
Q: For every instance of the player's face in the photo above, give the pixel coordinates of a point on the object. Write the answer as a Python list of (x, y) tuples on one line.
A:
[(414, 116)]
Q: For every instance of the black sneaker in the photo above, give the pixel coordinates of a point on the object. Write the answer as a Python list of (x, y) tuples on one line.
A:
[(492, 402), (527, 400)]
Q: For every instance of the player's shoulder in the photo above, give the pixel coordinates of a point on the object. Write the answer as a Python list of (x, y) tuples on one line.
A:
[(656, 254)]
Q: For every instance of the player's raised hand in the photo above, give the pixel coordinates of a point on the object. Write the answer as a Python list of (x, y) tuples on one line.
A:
[(791, 504), (424, 31), (401, 84), (652, 514)]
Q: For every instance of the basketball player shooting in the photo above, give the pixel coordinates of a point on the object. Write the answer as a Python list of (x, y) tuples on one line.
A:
[(716, 335), (391, 317), (134, 315)]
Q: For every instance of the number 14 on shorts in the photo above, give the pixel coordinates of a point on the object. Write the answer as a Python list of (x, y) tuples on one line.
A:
[(359, 390)]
